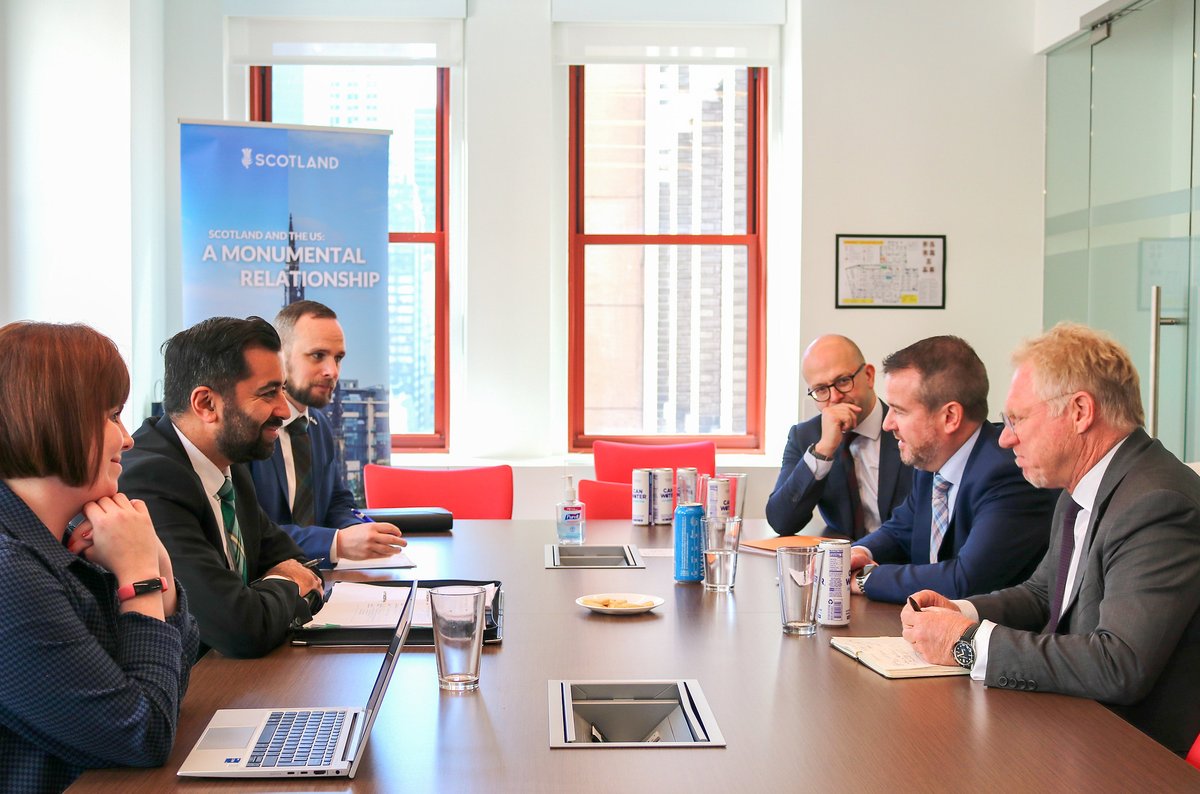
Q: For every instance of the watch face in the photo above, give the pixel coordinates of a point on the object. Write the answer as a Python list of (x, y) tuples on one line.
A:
[(964, 653)]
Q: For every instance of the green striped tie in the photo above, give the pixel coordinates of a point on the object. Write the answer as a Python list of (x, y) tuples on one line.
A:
[(237, 551)]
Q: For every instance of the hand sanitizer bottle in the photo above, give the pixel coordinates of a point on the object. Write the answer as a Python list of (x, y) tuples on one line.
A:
[(571, 516)]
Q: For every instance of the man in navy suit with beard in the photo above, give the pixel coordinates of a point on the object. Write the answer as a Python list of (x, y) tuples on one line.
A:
[(300, 485), (971, 523)]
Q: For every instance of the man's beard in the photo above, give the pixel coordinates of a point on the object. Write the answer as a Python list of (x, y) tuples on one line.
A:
[(918, 457), (241, 440), (307, 396)]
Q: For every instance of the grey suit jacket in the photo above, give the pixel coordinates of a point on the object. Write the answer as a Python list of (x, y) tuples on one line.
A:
[(1130, 634)]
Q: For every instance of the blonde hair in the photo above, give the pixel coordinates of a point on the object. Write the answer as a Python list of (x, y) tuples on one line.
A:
[(1071, 357)]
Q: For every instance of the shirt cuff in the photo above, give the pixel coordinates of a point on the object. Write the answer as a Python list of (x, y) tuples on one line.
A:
[(820, 468), (333, 558), (983, 636)]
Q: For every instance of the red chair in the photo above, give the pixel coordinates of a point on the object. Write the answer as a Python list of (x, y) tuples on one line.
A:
[(607, 499), (1193, 756), (616, 460), (481, 492)]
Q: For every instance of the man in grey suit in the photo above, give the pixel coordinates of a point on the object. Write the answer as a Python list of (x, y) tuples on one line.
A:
[(1113, 610)]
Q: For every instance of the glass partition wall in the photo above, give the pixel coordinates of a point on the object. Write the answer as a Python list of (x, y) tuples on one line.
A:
[(1121, 200)]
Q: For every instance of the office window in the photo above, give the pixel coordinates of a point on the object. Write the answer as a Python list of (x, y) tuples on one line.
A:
[(667, 245), (412, 101)]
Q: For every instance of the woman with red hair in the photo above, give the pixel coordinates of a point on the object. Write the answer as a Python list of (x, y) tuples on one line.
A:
[(95, 637)]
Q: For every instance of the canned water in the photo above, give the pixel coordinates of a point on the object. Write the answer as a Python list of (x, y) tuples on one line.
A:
[(664, 496), (833, 592), (643, 499), (716, 501), (689, 543), (685, 486)]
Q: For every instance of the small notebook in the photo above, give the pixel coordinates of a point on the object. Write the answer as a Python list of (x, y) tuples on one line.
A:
[(892, 657)]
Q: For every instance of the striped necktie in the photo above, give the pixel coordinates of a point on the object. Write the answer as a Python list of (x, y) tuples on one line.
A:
[(237, 550), (941, 514)]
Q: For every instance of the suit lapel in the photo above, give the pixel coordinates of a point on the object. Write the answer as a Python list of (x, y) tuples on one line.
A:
[(173, 447), (889, 467), (1120, 465)]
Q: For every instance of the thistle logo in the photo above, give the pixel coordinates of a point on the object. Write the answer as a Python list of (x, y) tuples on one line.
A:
[(246, 160)]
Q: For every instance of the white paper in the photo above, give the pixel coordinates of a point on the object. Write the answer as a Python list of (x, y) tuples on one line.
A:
[(397, 560), (368, 606)]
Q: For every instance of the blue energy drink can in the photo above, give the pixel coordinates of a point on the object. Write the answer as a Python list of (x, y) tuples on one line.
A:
[(689, 543)]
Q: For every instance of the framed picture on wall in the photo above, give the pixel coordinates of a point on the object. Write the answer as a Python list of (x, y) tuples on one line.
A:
[(891, 271)]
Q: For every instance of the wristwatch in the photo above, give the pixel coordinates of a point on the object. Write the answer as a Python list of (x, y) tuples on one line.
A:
[(964, 649), (812, 450), (128, 591), (861, 579)]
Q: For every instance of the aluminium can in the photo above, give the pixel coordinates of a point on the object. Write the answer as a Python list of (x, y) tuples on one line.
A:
[(685, 486), (664, 496), (689, 543), (643, 500), (716, 501), (833, 591)]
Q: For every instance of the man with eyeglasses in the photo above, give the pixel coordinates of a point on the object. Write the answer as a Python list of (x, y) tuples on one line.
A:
[(1113, 610), (971, 523), (839, 462)]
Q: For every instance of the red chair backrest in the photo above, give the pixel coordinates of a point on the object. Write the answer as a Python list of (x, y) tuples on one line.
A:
[(1193, 756), (616, 460), (481, 492), (607, 499)]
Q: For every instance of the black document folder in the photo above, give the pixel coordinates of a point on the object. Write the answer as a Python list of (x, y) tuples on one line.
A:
[(493, 630), (414, 519)]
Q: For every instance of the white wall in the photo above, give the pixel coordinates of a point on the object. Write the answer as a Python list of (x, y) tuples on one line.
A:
[(1055, 21), (926, 117), (67, 164), (922, 117)]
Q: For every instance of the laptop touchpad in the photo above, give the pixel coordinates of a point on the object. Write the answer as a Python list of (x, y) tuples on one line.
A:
[(227, 738)]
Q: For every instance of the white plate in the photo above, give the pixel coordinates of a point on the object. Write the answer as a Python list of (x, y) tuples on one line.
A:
[(637, 598)]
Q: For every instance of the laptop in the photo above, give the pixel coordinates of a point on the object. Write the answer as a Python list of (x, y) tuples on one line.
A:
[(281, 742)]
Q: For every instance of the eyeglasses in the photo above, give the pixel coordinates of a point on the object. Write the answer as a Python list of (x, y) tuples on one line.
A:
[(843, 384), (1011, 422)]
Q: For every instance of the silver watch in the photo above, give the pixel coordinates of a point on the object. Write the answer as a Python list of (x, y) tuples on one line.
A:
[(861, 579)]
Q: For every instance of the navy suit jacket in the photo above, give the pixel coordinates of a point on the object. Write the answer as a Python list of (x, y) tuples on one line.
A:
[(998, 531), (333, 504), (238, 619), (797, 491)]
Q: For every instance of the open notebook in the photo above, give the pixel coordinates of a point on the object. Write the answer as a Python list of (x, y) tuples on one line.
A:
[(892, 657), (283, 742)]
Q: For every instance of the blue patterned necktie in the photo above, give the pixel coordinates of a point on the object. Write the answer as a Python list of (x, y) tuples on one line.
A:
[(941, 514), (237, 550)]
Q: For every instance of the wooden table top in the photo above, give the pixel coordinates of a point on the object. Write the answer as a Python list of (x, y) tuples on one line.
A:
[(796, 714)]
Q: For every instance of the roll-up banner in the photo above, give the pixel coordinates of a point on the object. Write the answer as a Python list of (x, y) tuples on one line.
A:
[(273, 214)]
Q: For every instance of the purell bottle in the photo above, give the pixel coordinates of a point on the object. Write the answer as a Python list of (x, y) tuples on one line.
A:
[(571, 516)]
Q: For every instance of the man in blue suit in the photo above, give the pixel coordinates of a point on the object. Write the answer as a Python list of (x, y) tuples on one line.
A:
[(971, 523), (839, 462), (300, 486)]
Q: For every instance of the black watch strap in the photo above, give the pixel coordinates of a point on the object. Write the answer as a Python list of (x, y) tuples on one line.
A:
[(812, 450)]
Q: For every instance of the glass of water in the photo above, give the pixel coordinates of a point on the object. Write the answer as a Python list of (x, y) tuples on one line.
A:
[(721, 537), (458, 624)]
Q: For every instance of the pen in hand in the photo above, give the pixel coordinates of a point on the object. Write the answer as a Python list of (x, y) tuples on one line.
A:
[(361, 516), (912, 602), (312, 564)]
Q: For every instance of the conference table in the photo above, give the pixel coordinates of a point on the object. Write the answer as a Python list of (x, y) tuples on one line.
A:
[(796, 714)]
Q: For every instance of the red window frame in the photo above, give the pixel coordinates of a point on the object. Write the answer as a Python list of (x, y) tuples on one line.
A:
[(754, 241), (439, 439)]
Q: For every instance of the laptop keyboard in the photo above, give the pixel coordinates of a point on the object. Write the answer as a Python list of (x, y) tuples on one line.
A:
[(298, 738)]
